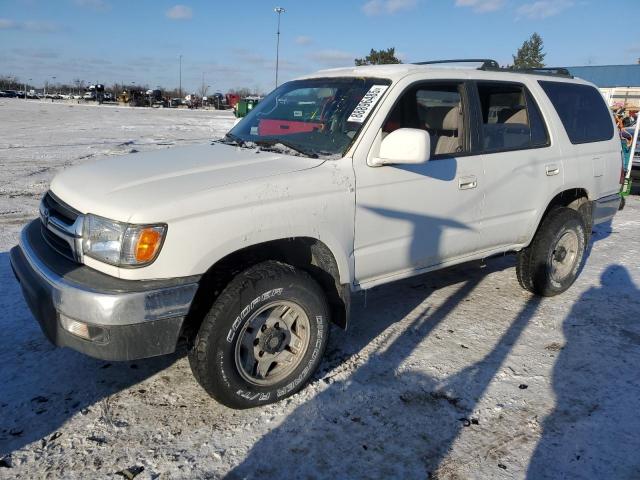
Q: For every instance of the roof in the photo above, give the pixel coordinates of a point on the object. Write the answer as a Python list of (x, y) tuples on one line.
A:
[(609, 75), (395, 72), (392, 72)]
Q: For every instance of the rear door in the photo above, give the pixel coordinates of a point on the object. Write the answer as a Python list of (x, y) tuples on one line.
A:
[(523, 166)]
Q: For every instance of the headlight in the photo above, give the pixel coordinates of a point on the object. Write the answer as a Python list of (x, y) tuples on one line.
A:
[(121, 244)]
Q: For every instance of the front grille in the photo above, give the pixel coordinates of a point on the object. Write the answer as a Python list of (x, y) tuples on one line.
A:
[(60, 226), (58, 244), (60, 210)]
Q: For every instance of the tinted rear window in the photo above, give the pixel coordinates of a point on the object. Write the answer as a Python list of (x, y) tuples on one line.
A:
[(510, 118), (582, 109)]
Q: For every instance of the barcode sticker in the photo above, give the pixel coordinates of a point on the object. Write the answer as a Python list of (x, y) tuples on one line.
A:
[(367, 103)]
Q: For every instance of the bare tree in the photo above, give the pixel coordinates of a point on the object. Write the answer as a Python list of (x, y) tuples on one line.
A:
[(202, 91), (79, 85), (11, 82), (242, 91)]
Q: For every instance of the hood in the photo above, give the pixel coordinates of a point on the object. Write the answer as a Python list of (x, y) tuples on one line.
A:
[(118, 187)]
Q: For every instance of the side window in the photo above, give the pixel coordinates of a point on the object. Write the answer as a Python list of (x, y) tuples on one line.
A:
[(511, 119), (582, 110), (438, 109), (539, 133)]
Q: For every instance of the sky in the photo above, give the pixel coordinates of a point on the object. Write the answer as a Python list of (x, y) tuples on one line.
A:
[(232, 44)]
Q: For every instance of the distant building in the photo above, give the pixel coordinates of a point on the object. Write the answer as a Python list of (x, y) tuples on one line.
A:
[(619, 84)]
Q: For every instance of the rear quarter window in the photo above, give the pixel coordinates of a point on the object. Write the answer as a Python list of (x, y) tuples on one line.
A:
[(582, 110)]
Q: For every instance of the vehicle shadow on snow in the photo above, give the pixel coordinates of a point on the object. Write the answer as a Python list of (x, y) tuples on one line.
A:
[(386, 420), (41, 386), (598, 233), (381, 422), (592, 431)]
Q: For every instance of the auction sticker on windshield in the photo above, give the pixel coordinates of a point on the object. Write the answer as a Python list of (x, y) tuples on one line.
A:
[(367, 103)]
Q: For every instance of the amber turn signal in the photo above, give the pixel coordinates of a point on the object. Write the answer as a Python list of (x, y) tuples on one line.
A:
[(148, 244)]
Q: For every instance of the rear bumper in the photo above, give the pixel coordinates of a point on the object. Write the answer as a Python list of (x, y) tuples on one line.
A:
[(129, 319), (605, 208)]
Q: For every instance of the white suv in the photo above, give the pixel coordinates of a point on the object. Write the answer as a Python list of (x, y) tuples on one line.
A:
[(336, 182)]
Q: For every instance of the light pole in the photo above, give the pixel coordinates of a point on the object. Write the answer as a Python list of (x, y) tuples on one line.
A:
[(25, 89), (45, 87), (180, 87), (279, 11)]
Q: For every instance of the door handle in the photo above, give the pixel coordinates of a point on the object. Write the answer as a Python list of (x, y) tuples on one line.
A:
[(467, 183), (552, 170)]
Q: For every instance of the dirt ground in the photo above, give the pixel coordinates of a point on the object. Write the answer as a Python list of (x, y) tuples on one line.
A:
[(457, 374)]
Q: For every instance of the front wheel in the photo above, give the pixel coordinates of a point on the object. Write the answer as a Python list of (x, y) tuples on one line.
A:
[(263, 337), (551, 263)]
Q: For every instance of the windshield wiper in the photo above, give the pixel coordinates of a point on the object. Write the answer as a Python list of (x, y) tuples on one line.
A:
[(292, 146), (231, 138)]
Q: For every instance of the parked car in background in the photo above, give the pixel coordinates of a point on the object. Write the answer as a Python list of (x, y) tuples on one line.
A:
[(219, 101), (155, 98), (192, 101)]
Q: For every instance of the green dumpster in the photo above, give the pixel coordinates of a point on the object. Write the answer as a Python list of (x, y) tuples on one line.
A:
[(244, 106)]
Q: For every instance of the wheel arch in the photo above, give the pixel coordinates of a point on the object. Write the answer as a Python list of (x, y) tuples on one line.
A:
[(576, 198), (307, 253)]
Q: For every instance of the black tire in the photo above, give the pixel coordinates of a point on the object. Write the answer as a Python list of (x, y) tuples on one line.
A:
[(548, 267), (214, 358)]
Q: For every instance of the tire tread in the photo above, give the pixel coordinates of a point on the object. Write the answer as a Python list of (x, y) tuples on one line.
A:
[(199, 355), (531, 260)]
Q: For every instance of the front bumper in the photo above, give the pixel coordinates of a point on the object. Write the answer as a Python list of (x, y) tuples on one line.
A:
[(136, 319)]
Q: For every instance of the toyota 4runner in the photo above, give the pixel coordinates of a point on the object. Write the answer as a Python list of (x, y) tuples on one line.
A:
[(247, 248)]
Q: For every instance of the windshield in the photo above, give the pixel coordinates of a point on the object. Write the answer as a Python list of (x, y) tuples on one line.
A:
[(317, 117)]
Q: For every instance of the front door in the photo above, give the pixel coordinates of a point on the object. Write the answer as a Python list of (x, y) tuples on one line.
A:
[(411, 217)]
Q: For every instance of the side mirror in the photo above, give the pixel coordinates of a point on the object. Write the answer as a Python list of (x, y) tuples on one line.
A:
[(410, 146)]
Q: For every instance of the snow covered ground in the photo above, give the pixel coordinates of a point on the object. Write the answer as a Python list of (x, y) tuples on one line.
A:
[(452, 375)]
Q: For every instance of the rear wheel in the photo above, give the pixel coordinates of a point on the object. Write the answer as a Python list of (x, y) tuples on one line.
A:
[(263, 337), (551, 263)]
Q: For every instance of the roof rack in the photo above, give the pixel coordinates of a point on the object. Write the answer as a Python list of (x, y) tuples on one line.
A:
[(486, 62), (558, 71), (493, 66)]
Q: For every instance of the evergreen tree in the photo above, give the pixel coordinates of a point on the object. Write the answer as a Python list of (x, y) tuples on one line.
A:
[(379, 57), (530, 54)]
